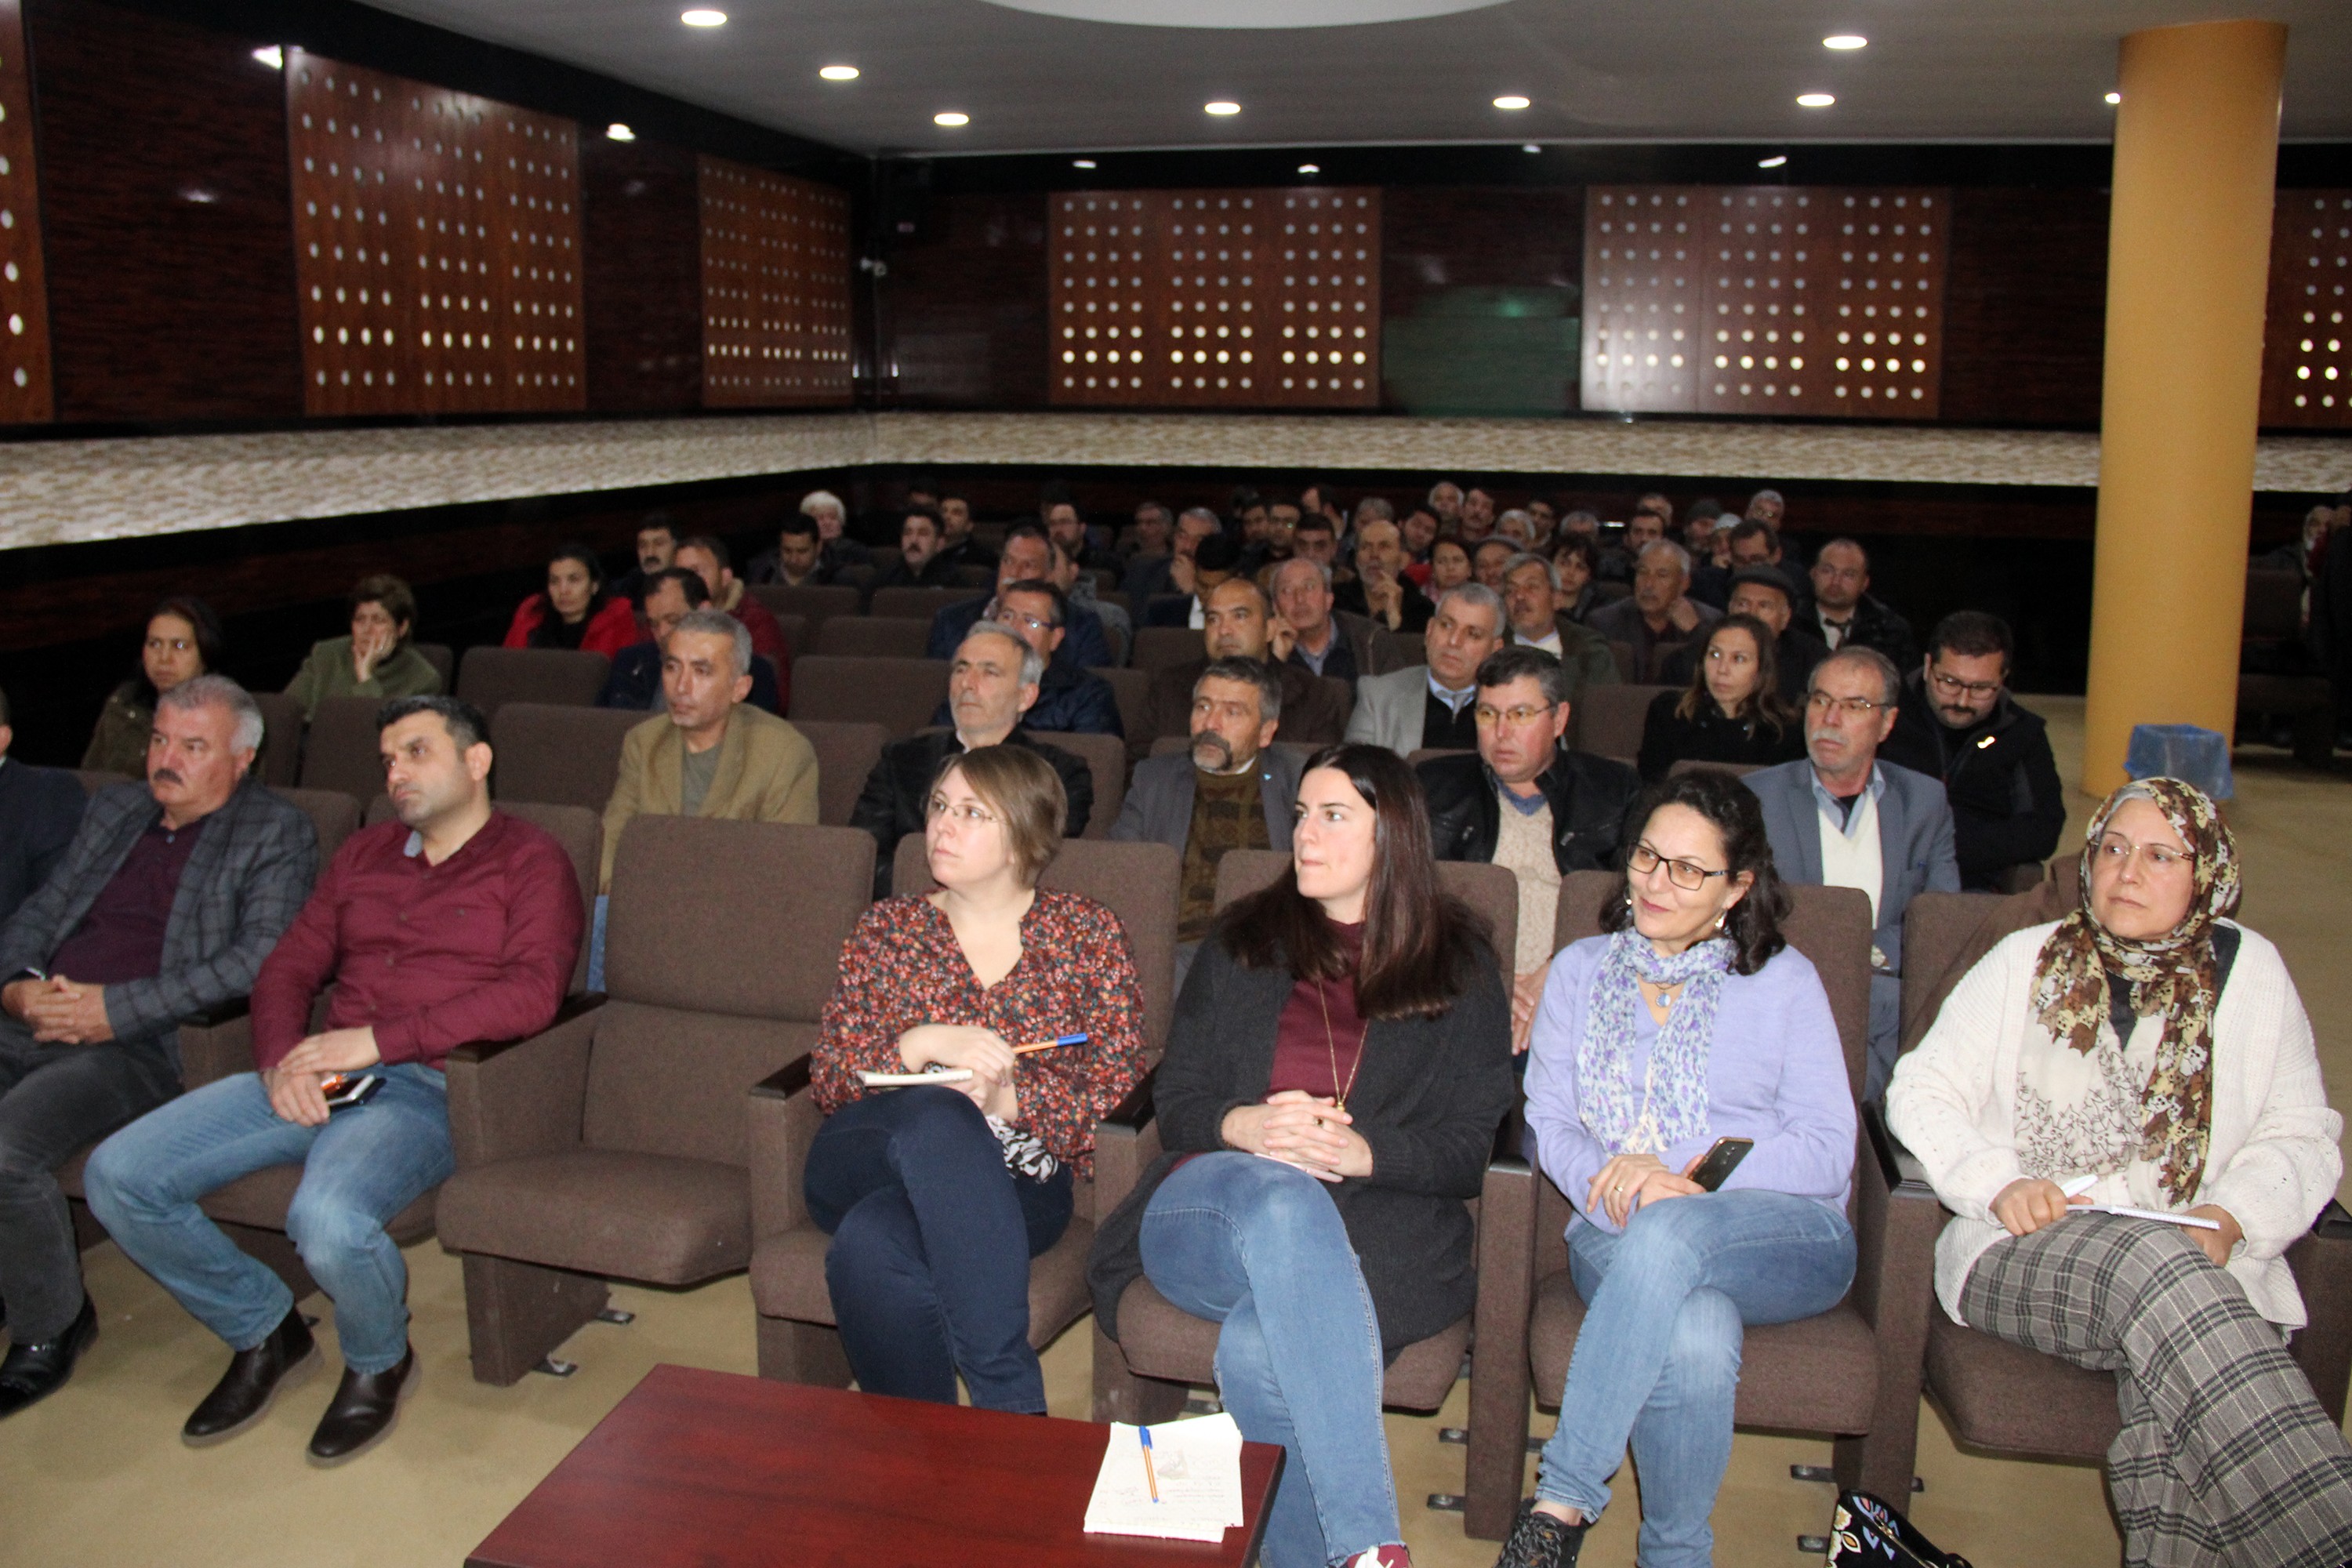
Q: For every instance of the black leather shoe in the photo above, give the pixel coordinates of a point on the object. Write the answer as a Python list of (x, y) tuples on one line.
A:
[(37, 1368), (252, 1382), (363, 1411)]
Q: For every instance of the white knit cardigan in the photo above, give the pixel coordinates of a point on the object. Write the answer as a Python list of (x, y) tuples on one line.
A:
[(2273, 1160)]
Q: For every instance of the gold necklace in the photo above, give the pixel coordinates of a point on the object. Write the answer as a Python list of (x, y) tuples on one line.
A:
[(1340, 1092)]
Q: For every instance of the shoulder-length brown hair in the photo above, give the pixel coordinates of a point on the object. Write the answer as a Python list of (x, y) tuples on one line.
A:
[(1766, 706), (1421, 945), (1024, 792)]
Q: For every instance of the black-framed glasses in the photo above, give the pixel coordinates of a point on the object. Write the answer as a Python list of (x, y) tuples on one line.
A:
[(1688, 875), (1952, 685)]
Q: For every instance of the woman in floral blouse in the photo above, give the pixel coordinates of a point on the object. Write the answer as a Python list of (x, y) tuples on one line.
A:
[(938, 1197)]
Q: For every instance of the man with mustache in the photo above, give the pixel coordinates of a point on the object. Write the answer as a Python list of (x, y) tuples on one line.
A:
[(170, 896)]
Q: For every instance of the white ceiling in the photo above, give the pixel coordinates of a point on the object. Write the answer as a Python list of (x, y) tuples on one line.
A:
[(1643, 70)]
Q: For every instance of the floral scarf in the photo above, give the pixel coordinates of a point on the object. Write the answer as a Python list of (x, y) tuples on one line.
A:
[(2098, 1122), (1671, 1105)]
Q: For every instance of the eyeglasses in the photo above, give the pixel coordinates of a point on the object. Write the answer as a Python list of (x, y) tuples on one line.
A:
[(1852, 706), (1688, 875), (2119, 850), (1524, 714), (966, 815), (1014, 618), (1952, 685)]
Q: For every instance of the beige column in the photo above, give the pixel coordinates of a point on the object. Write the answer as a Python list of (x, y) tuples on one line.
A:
[(2187, 271)]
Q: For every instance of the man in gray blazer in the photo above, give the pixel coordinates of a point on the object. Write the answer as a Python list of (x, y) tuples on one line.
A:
[(167, 900), (1842, 818), (1228, 791), (1430, 706)]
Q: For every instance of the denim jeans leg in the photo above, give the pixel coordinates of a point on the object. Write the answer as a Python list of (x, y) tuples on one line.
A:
[(596, 943), (1259, 1248), (368, 1163), (143, 1184), (1682, 1439)]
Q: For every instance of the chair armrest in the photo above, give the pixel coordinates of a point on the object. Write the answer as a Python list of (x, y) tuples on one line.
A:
[(1506, 1256), (1126, 1141), (1896, 1220), (1499, 1374), (509, 1098), (784, 1123), (216, 1043), (219, 1013), (2322, 1261)]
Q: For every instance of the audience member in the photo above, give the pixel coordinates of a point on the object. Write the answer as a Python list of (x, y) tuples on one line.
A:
[(1382, 593), (1027, 557), (1149, 575), (452, 923), (1315, 540), (1536, 612), (1581, 524), (1763, 593), (2150, 1049), (918, 563), (708, 558), (1477, 517), (1152, 536), (1517, 526), (1691, 1020), (1958, 722), (1277, 541), (798, 559), (39, 809), (937, 1198), (637, 677), (836, 549), (375, 660), (1567, 808), (1070, 700), (1698, 533), (1079, 591), (167, 899), (959, 547), (1350, 1241), (573, 611), (1754, 543), (1324, 640), (1320, 497), (1214, 560), (991, 685), (1842, 818), (1237, 623), (1578, 561), (1489, 559), (656, 543), (1729, 711), (1067, 527), (1445, 502), (183, 640), (1427, 706), (1448, 568), (1766, 506), (1842, 612), (1418, 529), (1660, 615), (1230, 791), (1543, 523)]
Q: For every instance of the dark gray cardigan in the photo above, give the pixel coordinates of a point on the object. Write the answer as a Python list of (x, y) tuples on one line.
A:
[(1428, 1098)]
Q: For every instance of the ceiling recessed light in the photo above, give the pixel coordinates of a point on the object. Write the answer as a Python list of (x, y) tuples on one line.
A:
[(1774, 161), (1814, 100), (1310, 168), (1510, 100), (1530, 147), (2114, 98), (950, 117), (1844, 41), (1223, 106), (271, 56), (703, 18), (838, 73), (617, 131)]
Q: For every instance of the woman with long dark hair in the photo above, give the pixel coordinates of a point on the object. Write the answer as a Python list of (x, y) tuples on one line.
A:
[(1690, 1021), (1730, 712), (1340, 1060), (573, 611), (183, 640)]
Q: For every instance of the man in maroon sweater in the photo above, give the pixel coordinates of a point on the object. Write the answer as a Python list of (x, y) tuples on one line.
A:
[(456, 922)]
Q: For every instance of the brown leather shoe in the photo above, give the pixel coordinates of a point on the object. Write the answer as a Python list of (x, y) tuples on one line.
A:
[(252, 1382), (364, 1411)]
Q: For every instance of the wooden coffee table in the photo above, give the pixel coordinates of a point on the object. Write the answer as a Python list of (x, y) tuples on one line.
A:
[(706, 1469)]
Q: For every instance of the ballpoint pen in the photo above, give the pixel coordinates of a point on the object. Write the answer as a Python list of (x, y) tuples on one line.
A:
[(1149, 1478)]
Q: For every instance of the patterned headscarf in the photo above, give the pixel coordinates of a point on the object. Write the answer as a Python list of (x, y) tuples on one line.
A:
[(2169, 1121)]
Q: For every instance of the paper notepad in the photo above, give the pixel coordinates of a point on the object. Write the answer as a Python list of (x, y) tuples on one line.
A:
[(2078, 1185), (909, 1079), (1197, 1466)]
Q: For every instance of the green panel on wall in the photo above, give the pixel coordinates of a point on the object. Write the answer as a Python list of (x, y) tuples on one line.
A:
[(1484, 350)]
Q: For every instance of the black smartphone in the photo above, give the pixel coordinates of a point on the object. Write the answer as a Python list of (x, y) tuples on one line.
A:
[(343, 1091), (1721, 1160)]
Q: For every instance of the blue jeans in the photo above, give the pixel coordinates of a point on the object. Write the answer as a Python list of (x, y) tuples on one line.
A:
[(1259, 1248), (365, 1165), (932, 1235), (1657, 1360), (597, 942)]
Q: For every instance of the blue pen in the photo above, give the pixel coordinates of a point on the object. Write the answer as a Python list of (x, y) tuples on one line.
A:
[(1150, 1479), (1078, 1039)]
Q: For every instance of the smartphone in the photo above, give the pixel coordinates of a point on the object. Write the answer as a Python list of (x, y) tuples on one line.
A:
[(1721, 1160), (343, 1091)]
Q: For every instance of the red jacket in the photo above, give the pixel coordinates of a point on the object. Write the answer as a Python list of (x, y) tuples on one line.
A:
[(610, 629)]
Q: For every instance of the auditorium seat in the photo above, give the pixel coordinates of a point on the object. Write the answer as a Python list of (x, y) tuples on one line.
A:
[(899, 694), (614, 1144), (845, 754), (2277, 678), (490, 677), (1431, 753), (795, 630), (873, 637), (1164, 647), (578, 828), (816, 606), (439, 657), (280, 763), (334, 817), (1396, 650), (1133, 690), (916, 604), (1609, 720), (1703, 765), (561, 755), (340, 753), (1106, 758)]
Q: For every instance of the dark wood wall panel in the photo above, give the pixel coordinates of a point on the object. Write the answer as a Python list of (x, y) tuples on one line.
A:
[(24, 294), (963, 312), (641, 241), (2026, 299), (2306, 369), (775, 289), (166, 216)]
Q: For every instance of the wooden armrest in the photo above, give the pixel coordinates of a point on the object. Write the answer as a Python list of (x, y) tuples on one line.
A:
[(479, 1051), (510, 1099), (786, 1081), (783, 1121), (1499, 1376), (1126, 1141), (2322, 1261)]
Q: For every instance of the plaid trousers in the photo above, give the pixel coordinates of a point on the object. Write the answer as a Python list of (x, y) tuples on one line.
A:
[(2225, 1457)]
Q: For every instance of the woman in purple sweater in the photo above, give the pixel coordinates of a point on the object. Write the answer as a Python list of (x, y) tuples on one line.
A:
[(1692, 1020)]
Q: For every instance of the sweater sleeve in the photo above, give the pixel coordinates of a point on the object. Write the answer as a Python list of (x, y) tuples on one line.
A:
[(1062, 1102), (2286, 1170), (1568, 1154), (1938, 1099), (1811, 1155)]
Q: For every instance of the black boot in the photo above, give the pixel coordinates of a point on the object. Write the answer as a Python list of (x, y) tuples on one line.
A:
[(1539, 1540), (35, 1369), (361, 1416), (254, 1377)]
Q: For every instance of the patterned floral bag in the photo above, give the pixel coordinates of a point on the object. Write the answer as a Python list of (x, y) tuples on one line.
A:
[(1867, 1533)]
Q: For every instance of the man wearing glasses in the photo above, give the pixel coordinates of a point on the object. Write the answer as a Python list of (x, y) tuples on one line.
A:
[(1958, 722), (1069, 699), (1845, 818)]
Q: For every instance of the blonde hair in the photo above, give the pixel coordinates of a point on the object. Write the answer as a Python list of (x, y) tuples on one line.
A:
[(1026, 795)]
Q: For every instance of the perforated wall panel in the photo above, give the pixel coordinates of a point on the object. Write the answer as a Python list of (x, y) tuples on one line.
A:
[(2306, 350), (25, 394), (775, 289), (1809, 301), (436, 246), (1237, 299)]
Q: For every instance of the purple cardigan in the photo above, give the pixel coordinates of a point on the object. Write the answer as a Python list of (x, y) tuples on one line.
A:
[(1775, 1073)]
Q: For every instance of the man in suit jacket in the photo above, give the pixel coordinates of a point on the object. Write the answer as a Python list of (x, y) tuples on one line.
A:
[(1661, 613), (39, 809), (1028, 557), (637, 677), (1541, 616), (168, 899), (1237, 623), (1426, 707), (1841, 818)]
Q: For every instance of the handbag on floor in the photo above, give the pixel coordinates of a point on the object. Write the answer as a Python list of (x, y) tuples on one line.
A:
[(1866, 1533)]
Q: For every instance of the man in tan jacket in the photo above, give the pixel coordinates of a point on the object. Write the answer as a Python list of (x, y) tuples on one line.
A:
[(711, 754)]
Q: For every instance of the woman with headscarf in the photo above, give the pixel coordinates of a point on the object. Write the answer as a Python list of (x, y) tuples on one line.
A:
[(2147, 1052)]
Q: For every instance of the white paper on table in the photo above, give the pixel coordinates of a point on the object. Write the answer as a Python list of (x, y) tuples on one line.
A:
[(1198, 1465), (910, 1079)]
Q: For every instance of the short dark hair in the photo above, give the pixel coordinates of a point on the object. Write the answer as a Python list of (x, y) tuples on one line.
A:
[(1313, 522), (1218, 553), (1577, 544), (924, 511), (690, 583), (3, 705), (1039, 585), (660, 519), (799, 523), (1737, 815), (708, 546), (1748, 527), (466, 724), (1521, 662), (1250, 671), (1973, 633), (398, 600), (1029, 531)]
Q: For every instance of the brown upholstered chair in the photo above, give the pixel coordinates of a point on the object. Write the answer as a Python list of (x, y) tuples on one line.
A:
[(490, 678), (339, 751), (1851, 1371), (1143, 1375), (1133, 688), (2273, 643), (794, 629), (845, 754), (2004, 1398), (1106, 758), (915, 603), (1621, 653), (899, 694), (1607, 720), (1163, 647), (613, 1144), (444, 661), (872, 637), (1431, 753), (280, 763), (816, 605), (1700, 764), (92, 780), (561, 755), (1393, 651)]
